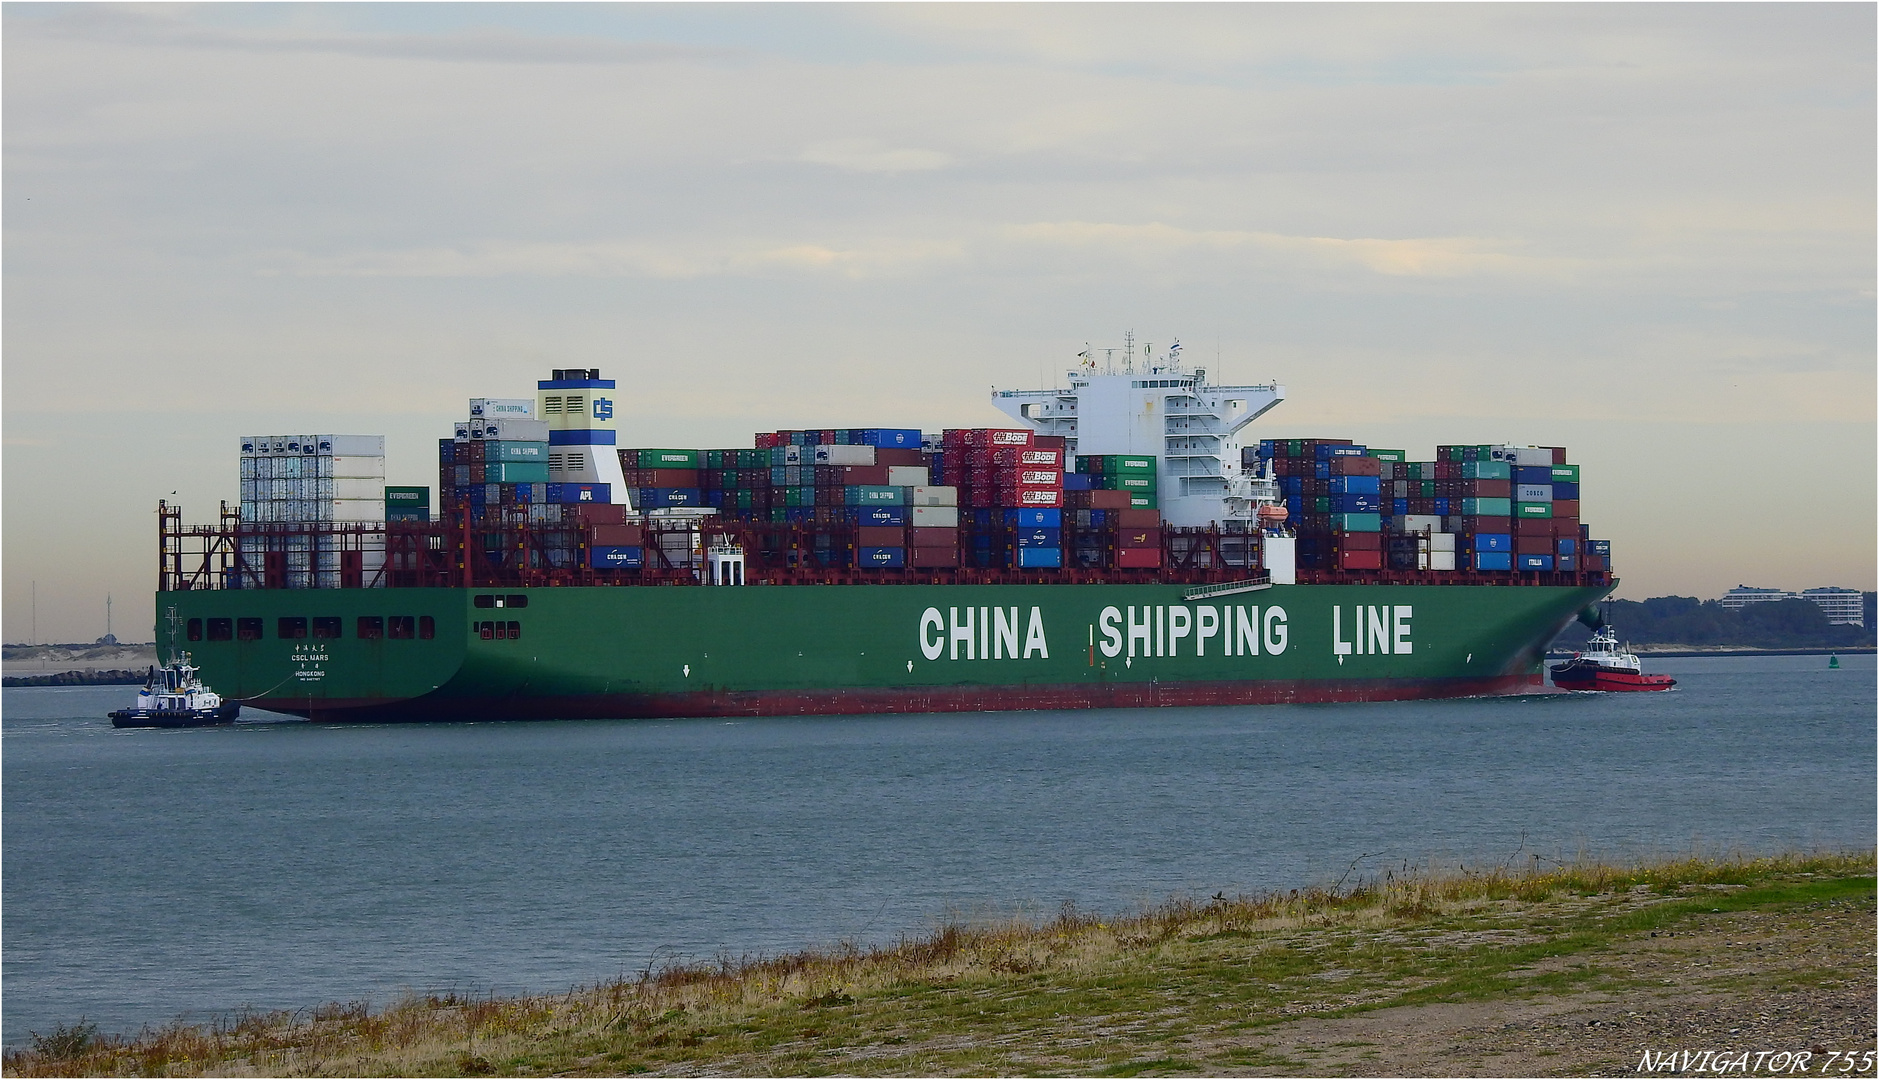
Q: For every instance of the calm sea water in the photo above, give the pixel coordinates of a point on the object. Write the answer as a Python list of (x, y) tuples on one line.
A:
[(155, 874)]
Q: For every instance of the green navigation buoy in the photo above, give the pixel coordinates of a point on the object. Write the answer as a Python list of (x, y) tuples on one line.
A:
[(1833, 661)]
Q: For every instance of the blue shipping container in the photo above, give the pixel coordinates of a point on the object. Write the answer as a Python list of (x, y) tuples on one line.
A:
[(1442, 507), (1075, 481), (882, 515), (1356, 485), (579, 493), (1399, 507), (888, 437), (1037, 536), (616, 558), (1565, 490), (1536, 562), (1356, 504), (658, 497), (1326, 451), (1050, 518), (1493, 560), (1568, 546), (1566, 563), (1039, 557), (1601, 548), (1494, 542), (881, 557), (1533, 474)]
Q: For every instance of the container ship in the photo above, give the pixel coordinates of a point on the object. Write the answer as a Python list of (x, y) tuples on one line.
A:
[(1120, 542)]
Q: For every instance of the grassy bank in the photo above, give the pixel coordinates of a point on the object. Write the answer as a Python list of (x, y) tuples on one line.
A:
[(1262, 984)]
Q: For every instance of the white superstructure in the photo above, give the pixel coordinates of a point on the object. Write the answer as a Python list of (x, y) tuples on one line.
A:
[(1158, 406)]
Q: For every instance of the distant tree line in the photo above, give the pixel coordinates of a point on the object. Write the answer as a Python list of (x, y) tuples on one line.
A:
[(1685, 620)]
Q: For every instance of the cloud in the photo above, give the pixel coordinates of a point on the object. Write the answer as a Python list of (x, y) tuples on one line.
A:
[(677, 261), (870, 156)]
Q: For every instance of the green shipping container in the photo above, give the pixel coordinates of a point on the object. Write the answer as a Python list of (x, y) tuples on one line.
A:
[(1356, 522), (1321, 504), (1141, 502), (877, 495), (1533, 509), (1129, 482), (533, 452), (1486, 470), (515, 472), (1487, 507), (1386, 455), (1566, 473), (1116, 464), (670, 459), (408, 498), (1295, 448)]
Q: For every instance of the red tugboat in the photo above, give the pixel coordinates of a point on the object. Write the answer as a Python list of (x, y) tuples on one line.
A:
[(1604, 666)]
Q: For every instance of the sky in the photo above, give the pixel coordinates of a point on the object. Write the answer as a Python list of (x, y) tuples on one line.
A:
[(1644, 232)]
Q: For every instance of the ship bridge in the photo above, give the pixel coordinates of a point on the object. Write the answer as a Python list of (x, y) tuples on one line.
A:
[(1192, 428)]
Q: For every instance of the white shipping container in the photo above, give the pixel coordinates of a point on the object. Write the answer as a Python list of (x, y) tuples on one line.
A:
[(353, 510), (935, 517), (907, 476), (347, 487), (1415, 523), (935, 496), (510, 430), (844, 455), (1441, 560), (1534, 492), (491, 408), (1442, 542), (1532, 455), (358, 468), (793, 455)]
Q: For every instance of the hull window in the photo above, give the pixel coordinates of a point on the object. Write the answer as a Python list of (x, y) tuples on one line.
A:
[(371, 627), (291, 627)]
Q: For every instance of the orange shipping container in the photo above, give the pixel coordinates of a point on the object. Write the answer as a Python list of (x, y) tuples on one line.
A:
[(880, 536), (931, 537), (1138, 519), (1360, 560), (934, 557)]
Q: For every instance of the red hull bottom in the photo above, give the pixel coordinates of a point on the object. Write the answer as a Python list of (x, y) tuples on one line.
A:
[(922, 700), (1616, 681)]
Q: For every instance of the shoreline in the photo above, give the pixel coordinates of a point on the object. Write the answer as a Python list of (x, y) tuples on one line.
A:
[(1723, 650), (1543, 968)]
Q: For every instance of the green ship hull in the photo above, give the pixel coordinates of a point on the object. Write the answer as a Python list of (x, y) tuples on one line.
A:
[(443, 654)]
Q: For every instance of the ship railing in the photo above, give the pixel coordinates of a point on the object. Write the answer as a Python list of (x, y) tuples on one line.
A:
[(1256, 583)]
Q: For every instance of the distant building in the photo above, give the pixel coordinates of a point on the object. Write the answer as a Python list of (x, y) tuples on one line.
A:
[(1845, 607), (1743, 595)]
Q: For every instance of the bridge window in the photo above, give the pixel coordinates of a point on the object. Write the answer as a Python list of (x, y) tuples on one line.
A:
[(194, 630), (516, 600), (371, 627), (248, 629), (427, 628), (328, 626), (401, 628), (291, 626), (221, 629)]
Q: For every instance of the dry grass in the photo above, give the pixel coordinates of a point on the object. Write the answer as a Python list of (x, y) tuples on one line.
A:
[(711, 1016)]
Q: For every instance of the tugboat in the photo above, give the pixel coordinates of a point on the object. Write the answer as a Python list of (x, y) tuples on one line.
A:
[(172, 696), (1605, 666)]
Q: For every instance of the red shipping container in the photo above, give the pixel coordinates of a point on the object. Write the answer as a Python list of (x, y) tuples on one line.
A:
[(478, 471), (1109, 500), (668, 478), (1591, 562), (616, 535), (1559, 454), (1360, 560), (933, 557), (1565, 508), (931, 537), (1360, 541), (1136, 538), (881, 536), (1048, 442), (861, 474), (1565, 526), (590, 514), (997, 437), (1345, 465), (1533, 545), (900, 455), (1542, 527), (1138, 558), (1502, 525), (1029, 457), (1012, 478), (764, 440), (1138, 519), (1487, 489), (1030, 497)]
